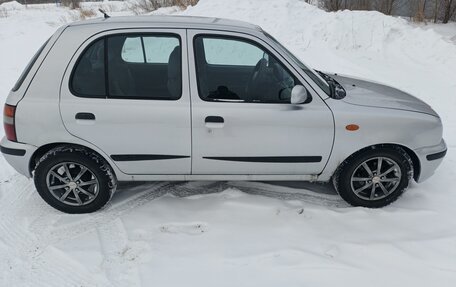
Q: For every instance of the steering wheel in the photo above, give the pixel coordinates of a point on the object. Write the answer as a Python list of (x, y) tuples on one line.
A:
[(255, 79)]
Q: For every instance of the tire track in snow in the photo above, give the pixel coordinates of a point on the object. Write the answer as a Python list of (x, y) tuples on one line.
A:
[(115, 210), (36, 243), (89, 222), (199, 188), (13, 197), (46, 237), (33, 246), (26, 262), (287, 193), (53, 268), (118, 262), (109, 217), (12, 201)]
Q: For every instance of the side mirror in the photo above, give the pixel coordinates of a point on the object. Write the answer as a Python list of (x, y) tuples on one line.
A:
[(299, 95)]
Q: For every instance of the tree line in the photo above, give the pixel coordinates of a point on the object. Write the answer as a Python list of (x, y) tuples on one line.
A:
[(419, 10)]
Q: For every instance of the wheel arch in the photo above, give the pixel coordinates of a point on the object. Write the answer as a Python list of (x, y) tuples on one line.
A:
[(42, 150), (415, 160)]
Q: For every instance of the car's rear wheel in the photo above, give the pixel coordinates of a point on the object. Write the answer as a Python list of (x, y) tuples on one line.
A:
[(374, 177), (74, 179)]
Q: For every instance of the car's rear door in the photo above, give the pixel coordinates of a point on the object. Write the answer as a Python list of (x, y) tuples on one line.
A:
[(129, 96), (237, 133)]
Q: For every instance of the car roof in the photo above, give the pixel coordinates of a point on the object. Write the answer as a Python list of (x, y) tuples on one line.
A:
[(170, 21)]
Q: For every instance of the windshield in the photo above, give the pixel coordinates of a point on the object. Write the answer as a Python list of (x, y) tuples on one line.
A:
[(311, 73)]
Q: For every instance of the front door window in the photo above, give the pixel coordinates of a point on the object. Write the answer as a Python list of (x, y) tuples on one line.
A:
[(234, 69)]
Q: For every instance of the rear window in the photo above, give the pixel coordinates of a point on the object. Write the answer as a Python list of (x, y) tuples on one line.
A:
[(29, 67)]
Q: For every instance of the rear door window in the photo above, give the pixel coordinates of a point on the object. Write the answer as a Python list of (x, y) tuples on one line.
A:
[(89, 75), (132, 51), (158, 49), (131, 66)]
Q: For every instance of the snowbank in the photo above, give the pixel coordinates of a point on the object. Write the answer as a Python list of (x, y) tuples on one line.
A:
[(304, 28), (13, 5)]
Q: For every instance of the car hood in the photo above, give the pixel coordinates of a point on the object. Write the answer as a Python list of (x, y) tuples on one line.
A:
[(367, 93)]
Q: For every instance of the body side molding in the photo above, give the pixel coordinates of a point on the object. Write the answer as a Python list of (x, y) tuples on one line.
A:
[(270, 159), (140, 157)]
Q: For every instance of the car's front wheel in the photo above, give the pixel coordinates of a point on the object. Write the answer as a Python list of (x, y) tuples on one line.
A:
[(374, 177), (74, 179)]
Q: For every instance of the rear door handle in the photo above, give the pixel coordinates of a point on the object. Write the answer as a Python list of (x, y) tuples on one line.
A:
[(85, 116), (214, 122)]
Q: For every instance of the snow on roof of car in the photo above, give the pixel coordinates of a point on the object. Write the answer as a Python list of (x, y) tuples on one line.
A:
[(172, 21)]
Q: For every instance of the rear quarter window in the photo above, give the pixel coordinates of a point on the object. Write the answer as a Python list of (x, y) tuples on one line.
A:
[(29, 67)]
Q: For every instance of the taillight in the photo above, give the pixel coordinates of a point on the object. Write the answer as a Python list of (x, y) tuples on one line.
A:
[(8, 122)]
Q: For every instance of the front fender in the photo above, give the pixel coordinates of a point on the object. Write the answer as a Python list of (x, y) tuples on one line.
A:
[(413, 130)]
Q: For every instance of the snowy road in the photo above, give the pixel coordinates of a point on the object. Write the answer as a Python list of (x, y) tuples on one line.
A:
[(248, 233)]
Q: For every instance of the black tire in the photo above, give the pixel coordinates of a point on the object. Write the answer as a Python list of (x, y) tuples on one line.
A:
[(342, 179), (99, 170)]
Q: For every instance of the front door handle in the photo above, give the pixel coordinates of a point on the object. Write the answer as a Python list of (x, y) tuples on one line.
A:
[(214, 122), (85, 116)]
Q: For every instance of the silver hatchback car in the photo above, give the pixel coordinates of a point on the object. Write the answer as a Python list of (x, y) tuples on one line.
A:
[(190, 98)]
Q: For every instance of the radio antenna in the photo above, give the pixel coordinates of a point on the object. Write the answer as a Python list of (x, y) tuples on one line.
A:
[(105, 15)]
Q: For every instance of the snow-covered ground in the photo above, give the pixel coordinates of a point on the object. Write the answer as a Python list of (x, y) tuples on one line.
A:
[(241, 233)]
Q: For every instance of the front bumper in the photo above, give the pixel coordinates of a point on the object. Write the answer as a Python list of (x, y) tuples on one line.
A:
[(430, 158), (18, 155)]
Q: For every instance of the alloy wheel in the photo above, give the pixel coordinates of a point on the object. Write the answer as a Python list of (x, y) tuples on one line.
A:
[(72, 183), (375, 178)]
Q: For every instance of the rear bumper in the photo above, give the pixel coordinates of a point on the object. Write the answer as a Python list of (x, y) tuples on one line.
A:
[(430, 158), (18, 155)]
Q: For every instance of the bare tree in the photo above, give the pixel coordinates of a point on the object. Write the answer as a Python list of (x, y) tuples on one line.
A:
[(314, 2), (436, 11), (333, 5), (358, 5), (72, 4), (449, 10), (420, 14), (386, 6), (145, 6), (417, 10)]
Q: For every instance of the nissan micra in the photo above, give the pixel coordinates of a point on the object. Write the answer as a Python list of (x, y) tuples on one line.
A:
[(190, 98)]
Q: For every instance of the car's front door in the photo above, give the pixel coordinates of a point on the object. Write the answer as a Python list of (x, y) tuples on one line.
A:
[(242, 119), (128, 95)]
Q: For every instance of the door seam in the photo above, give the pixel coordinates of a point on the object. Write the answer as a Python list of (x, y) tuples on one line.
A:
[(190, 101)]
